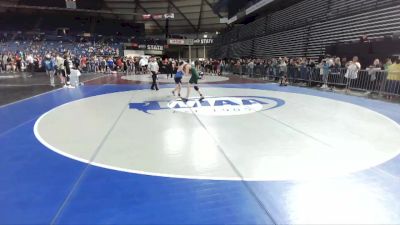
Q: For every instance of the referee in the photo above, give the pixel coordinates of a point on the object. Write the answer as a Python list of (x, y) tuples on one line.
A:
[(154, 68)]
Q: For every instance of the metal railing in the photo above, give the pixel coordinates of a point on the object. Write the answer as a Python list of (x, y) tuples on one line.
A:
[(376, 81)]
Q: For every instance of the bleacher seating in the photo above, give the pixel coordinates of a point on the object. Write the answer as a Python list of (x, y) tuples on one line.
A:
[(307, 27), (241, 49), (76, 23), (377, 23), (346, 7), (297, 15), (286, 43), (255, 28)]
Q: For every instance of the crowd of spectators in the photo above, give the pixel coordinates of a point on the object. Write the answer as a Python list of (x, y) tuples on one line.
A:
[(328, 71), (18, 56)]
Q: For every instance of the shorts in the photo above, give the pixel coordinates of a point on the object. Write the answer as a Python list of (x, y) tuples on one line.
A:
[(178, 80), (193, 81)]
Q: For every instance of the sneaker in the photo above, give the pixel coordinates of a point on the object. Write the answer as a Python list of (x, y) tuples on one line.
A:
[(185, 100), (201, 98)]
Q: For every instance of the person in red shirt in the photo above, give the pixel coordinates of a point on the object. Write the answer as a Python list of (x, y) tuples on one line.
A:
[(120, 64), (83, 63), (215, 64), (18, 63)]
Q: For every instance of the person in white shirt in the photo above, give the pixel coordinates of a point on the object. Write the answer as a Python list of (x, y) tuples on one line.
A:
[(74, 77), (143, 63), (29, 60), (154, 68), (352, 71), (353, 68), (60, 68)]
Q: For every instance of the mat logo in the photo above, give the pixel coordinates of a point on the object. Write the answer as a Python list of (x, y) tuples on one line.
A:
[(213, 106)]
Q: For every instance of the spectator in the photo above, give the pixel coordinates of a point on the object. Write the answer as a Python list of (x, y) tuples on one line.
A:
[(283, 72), (393, 79), (324, 67), (250, 67), (143, 64), (387, 64), (49, 68), (60, 69), (352, 70), (337, 63)]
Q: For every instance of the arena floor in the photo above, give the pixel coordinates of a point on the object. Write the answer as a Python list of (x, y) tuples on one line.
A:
[(114, 152)]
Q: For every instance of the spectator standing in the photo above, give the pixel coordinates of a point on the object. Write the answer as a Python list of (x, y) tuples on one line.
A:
[(250, 66), (337, 63), (110, 65), (352, 70), (283, 72), (18, 62), (303, 70), (387, 64), (67, 65), (374, 76), (74, 77), (60, 68), (143, 64), (30, 61), (393, 79), (325, 73), (84, 63), (49, 68), (4, 61)]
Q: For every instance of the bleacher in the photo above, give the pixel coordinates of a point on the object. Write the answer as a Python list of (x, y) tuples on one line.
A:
[(306, 28), (346, 7), (255, 28), (376, 24), (285, 43), (297, 15), (241, 49)]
